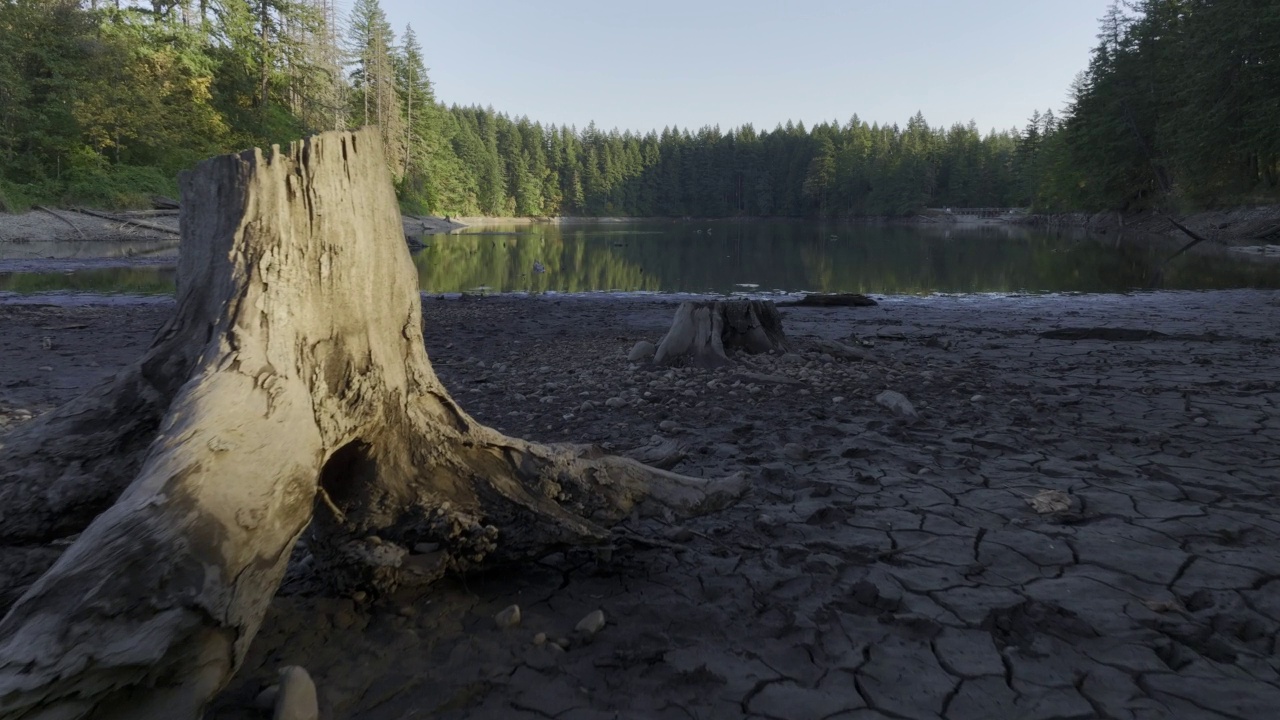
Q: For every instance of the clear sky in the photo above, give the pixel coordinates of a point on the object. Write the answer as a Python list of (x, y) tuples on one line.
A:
[(646, 64)]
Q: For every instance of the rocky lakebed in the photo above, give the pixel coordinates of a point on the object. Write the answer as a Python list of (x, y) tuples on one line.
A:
[(1034, 507)]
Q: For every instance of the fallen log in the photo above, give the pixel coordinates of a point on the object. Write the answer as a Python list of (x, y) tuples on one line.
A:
[(73, 226), (290, 393), (842, 351), (1196, 239), (703, 333), (832, 300), (127, 221)]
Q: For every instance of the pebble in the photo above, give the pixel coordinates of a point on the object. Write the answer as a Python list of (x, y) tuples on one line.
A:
[(795, 451), (668, 426), (296, 699), (898, 403), (507, 617), (977, 399), (615, 402), (540, 639), (591, 624), (266, 699), (1201, 422)]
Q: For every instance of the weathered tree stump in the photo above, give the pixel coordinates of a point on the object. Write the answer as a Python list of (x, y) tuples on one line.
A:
[(292, 378), (703, 333)]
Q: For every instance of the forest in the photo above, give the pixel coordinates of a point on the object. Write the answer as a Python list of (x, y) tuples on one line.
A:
[(103, 103)]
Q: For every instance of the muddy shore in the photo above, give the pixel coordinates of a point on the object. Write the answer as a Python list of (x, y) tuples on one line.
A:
[(1244, 226), (882, 567)]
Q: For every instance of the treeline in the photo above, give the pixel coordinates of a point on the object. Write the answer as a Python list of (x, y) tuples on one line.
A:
[(104, 103), (1179, 109), (518, 167)]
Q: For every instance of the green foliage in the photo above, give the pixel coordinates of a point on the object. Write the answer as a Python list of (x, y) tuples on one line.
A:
[(1176, 111), (104, 106)]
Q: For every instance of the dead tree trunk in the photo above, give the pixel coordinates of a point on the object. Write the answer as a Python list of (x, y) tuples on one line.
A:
[(702, 333), (293, 369)]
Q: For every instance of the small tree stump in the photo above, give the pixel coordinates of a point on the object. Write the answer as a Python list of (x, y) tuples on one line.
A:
[(702, 333)]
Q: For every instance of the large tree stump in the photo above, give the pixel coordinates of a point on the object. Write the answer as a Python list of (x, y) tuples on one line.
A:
[(293, 369), (702, 333)]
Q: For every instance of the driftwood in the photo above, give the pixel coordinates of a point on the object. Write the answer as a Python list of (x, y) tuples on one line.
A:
[(703, 333), (127, 221), (842, 351), (1110, 334), (292, 380), (1196, 239), (42, 208), (833, 300)]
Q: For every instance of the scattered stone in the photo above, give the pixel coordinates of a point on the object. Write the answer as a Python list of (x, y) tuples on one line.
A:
[(296, 699), (977, 399), (795, 451), (679, 534), (642, 351), (266, 700), (1200, 422), (591, 624), (1048, 502), (507, 617), (540, 639), (668, 426), (615, 403), (897, 403)]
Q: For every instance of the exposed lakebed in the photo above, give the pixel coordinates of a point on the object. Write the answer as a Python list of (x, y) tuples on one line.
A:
[(882, 567)]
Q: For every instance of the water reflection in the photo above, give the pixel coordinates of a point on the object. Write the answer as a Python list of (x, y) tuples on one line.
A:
[(149, 280), (728, 256), (792, 256)]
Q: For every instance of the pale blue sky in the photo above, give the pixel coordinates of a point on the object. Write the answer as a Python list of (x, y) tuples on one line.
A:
[(645, 64)]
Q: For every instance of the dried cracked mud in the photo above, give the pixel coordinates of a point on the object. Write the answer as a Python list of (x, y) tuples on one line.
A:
[(882, 567)]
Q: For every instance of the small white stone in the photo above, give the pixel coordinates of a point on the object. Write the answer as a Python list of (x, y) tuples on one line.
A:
[(507, 617), (795, 451), (266, 699), (591, 624), (297, 697)]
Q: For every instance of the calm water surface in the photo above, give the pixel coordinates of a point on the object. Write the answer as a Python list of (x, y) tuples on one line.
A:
[(728, 256)]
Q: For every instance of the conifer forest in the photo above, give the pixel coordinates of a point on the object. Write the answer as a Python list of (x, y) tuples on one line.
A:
[(103, 103)]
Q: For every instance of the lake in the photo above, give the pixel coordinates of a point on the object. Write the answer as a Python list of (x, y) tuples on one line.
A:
[(747, 256)]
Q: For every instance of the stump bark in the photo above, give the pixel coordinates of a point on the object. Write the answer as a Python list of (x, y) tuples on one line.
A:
[(703, 333), (291, 380)]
